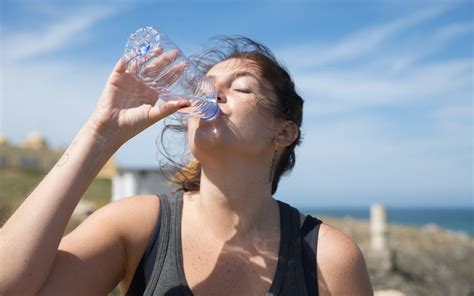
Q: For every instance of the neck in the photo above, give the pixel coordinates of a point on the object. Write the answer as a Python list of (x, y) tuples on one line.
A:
[(235, 199)]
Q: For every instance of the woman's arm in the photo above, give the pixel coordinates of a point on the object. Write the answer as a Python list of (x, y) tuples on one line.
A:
[(29, 240)]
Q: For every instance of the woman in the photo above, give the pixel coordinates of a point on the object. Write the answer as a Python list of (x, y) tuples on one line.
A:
[(223, 233)]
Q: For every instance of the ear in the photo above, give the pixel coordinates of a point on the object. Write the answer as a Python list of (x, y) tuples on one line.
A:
[(287, 133)]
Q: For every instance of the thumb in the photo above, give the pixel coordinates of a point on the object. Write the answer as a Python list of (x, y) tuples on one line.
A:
[(163, 110)]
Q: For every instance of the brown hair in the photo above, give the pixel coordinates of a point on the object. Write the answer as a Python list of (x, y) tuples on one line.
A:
[(283, 101)]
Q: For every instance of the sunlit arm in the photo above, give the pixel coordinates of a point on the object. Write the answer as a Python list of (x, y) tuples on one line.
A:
[(30, 238)]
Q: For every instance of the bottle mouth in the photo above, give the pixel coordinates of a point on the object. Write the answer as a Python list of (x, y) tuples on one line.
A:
[(140, 43), (212, 116), (143, 48)]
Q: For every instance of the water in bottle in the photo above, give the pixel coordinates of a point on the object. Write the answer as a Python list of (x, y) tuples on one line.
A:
[(180, 79)]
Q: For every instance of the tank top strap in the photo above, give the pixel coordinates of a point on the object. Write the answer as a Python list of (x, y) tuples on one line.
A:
[(297, 251), (310, 230), (299, 276), (309, 233), (145, 267), (179, 277), (284, 251), (163, 241)]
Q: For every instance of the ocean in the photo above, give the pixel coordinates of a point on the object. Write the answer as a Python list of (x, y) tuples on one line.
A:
[(454, 219)]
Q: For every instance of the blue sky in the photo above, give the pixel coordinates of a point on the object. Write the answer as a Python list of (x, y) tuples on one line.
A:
[(388, 85)]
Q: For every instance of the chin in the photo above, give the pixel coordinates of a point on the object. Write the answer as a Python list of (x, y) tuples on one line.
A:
[(208, 140)]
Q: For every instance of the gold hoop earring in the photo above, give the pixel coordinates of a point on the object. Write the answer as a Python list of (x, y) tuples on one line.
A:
[(274, 159)]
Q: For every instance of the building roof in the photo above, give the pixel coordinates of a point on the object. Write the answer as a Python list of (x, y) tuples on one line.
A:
[(3, 139), (34, 141)]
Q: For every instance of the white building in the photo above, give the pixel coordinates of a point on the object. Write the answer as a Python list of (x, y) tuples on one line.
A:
[(135, 181)]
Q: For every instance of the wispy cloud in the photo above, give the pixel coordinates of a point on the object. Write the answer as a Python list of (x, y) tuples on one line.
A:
[(455, 29), (361, 42), (18, 46), (426, 46), (372, 68), (353, 89)]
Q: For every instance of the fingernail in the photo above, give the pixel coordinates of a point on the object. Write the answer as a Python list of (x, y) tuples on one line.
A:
[(184, 104), (176, 53)]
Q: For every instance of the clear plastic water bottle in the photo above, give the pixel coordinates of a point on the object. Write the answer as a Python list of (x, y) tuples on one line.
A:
[(180, 79)]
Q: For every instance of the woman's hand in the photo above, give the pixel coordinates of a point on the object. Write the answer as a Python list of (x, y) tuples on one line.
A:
[(127, 105)]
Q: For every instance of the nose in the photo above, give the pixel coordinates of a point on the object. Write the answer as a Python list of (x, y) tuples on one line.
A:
[(221, 96)]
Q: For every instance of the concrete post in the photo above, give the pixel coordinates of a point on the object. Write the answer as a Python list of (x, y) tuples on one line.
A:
[(378, 227), (381, 251)]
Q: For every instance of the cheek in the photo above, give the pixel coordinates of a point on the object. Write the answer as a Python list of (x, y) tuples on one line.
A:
[(255, 127)]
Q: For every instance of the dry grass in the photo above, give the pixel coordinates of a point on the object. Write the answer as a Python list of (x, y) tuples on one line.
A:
[(16, 185)]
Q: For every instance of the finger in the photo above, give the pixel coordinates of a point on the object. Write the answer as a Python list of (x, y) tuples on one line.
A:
[(133, 62), (159, 112), (133, 66), (172, 75), (157, 51), (158, 64), (168, 78)]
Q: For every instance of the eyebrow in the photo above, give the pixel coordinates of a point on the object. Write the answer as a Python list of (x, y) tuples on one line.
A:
[(237, 75)]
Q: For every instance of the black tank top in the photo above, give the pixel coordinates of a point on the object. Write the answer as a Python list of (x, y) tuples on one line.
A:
[(161, 272)]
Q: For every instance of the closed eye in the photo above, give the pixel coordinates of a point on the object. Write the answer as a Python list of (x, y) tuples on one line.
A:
[(245, 91)]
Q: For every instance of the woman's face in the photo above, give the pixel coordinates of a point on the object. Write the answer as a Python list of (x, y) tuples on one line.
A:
[(244, 127)]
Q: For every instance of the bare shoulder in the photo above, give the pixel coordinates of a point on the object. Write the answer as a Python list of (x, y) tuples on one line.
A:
[(132, 219), (143, 208), (341, 265)]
